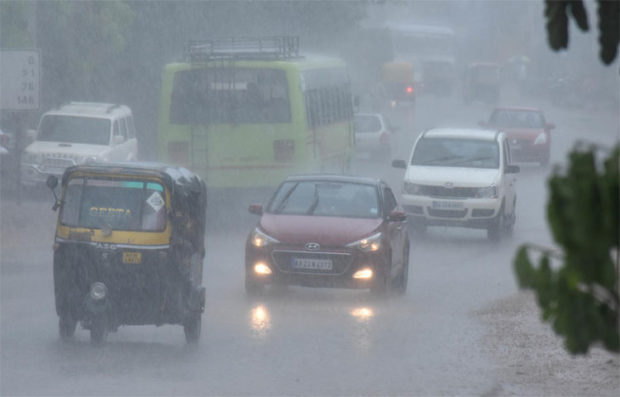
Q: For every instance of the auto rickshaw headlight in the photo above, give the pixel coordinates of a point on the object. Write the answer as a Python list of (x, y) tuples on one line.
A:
[(98, 291)]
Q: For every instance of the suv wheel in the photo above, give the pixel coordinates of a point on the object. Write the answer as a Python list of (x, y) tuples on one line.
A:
[(496, 226)]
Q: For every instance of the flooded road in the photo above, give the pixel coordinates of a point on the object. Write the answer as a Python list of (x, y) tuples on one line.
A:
[(444, 337)]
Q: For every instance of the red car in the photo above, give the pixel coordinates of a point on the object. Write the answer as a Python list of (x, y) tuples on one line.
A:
[(528, 133), (329, 231)]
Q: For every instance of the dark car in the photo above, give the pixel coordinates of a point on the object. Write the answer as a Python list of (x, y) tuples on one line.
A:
[(527, 132), (329, 231)]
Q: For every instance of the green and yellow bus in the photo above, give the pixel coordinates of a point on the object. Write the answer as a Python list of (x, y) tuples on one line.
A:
[(249, 112)]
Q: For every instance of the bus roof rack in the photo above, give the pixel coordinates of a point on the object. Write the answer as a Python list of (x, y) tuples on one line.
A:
[(239, 48)]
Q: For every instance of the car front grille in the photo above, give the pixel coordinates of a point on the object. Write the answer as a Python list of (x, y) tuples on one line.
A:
[(448, 192), (284, 260), (58, 162)]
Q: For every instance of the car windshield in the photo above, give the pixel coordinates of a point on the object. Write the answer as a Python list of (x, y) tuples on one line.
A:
[(73, 129), (517, 119), (453, 152), (365, 123), (119, 204), (326, 198)]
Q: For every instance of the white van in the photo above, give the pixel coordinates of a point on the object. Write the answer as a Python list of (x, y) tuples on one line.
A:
[(77, 133)]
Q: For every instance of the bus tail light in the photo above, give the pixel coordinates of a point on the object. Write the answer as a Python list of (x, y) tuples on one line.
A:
[(178, 153), (409, 89), (283, 150)]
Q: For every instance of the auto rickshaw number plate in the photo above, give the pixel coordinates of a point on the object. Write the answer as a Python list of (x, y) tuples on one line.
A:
[(132, 257)]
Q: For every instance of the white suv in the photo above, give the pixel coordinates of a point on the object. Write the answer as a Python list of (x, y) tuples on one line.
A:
[(460, 177), (76, 133)]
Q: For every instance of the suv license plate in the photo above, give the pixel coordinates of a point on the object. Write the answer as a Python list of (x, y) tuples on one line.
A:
[(132, 257), (311, 264), (448, 205)]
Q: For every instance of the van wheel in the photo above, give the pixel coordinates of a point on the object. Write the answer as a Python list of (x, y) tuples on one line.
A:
[(496, 226), (192, 328), (66, 326)]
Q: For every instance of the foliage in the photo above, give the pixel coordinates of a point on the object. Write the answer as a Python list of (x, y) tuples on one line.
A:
[(557, 14), (14, 32), (580, 297)]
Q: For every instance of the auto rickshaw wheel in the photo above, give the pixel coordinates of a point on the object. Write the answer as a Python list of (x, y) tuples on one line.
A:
[(192, 328), (66, 326), (98, 331)]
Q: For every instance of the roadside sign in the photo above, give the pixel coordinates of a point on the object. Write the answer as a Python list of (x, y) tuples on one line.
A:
[(19, 79)]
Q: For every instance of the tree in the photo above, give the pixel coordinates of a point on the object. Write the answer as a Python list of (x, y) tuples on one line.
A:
[(557, 14), (577, 290)]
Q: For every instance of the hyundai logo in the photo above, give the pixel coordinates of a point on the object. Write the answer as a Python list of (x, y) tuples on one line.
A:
[(312, 246)]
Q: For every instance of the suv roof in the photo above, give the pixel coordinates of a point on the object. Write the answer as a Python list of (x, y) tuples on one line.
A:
[(466, 133), (98, 109)]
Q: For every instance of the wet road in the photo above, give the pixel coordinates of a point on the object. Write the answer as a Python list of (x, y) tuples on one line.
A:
[(292, 341)]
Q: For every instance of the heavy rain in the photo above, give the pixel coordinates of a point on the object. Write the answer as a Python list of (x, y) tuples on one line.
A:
[(242, 95)]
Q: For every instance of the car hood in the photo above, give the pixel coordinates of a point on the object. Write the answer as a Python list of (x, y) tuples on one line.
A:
[(522, 133), (69, 149), (458, 176), (324, 230)]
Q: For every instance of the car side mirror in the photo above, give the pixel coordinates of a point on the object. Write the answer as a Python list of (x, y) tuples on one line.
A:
[(512, 169), (549, 126), (256, 209), (118, 139), (397, 216), (52, 182), (399, 164)]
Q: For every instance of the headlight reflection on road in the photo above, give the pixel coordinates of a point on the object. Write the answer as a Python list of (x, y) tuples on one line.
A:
[(362, 313), (260, 322)]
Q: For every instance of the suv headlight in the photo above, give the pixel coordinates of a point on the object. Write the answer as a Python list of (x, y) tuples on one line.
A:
[(541, 139), (368, 244), (411, 188), (487, 192), (260, 239)]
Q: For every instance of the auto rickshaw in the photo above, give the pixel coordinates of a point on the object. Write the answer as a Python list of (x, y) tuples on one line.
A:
[(129, 248), (482, 82)]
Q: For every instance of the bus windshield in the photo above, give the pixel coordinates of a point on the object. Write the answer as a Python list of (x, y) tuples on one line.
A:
[(230, 95), (118, 204)]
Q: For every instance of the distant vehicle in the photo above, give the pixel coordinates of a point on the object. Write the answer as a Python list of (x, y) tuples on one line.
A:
[(482, 82), (398, 81), (429, 50), (373, 134), (129, 248), (248, 112), (329, 231), (77, 133), (460, 177), (527, 132)]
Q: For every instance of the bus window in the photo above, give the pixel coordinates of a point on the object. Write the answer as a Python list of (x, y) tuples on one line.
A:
[(221, 95)]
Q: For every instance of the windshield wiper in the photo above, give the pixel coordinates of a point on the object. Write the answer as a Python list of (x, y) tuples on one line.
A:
[(315, 202), (284, 201), (472, 159), (441, 159)]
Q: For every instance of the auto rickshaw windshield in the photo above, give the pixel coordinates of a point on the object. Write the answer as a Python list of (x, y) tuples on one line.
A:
[(118, 204)]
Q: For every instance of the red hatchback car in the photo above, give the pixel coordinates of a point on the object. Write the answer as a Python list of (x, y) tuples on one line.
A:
[(527, 131), (329, 231)]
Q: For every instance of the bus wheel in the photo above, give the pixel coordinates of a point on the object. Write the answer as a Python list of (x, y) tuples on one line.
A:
[(192, 328)]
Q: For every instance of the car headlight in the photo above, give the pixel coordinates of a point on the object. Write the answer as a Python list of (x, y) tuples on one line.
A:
[(260, 239), (487, 192), (411, 188), (368, 244), (541, 139), (32, 158)]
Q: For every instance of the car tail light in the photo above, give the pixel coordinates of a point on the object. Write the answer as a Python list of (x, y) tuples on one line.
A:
[(178, 153), (409, 89), (384, 138)]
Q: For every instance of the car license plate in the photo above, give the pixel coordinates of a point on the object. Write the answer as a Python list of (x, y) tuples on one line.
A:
[(132, 257), (311, 264), (447, 205)]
